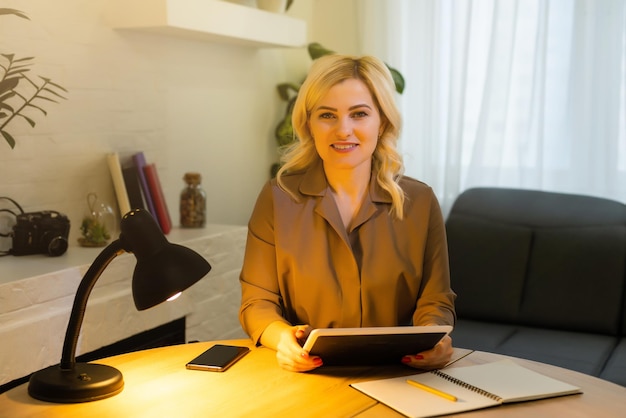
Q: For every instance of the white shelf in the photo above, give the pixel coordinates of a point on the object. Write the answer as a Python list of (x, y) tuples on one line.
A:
[(208, 20)]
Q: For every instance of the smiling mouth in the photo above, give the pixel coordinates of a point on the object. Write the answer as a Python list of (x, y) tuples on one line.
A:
[(344, 146)]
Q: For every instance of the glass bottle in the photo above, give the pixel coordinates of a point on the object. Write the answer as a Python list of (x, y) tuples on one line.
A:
[(192, 202)]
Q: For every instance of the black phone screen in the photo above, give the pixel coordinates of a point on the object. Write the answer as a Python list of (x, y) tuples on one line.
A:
[(218, 358)]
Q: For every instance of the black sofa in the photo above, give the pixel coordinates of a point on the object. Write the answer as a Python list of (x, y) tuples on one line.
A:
[(542, 276)]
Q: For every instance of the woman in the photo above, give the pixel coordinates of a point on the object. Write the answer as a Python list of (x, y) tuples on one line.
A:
[(340, 238)]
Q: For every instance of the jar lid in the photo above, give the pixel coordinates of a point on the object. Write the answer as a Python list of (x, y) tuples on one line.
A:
[(192, 178)]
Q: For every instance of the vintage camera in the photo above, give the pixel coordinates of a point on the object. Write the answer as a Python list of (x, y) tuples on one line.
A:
[(42, 232)]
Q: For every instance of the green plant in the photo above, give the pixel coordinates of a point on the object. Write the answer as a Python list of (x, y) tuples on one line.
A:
[(95, 233), (96, 223), (18, 92), (289, 91)]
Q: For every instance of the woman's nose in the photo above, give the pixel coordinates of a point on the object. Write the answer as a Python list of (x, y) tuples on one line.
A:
[(344, 128)]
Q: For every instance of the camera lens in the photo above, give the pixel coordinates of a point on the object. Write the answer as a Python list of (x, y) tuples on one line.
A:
[(57, 246)]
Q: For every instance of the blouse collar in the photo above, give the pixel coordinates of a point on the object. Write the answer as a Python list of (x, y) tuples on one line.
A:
[(314, 183)]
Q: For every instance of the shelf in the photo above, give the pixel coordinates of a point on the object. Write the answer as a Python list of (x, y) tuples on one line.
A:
[(208, 20)]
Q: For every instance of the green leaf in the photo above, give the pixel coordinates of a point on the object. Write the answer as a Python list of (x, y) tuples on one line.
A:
[(285, 88), (316, 50), (284, 131), (8, 138), (15, 71), (397, 79), (274, 169)]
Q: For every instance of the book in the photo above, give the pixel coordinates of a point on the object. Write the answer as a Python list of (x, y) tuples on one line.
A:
[(133, 188), (115, 168), (139, 161), (158, 198), (463, 389)]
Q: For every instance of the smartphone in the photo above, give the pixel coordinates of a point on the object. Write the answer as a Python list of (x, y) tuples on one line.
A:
[(218, 358)]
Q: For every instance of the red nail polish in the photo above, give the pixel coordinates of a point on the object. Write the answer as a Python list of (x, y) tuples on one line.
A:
[(406, 359), (419, 357)]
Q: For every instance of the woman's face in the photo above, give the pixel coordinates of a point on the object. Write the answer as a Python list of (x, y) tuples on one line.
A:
[(345, 125)]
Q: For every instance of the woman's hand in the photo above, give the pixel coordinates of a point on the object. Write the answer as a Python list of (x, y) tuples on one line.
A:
[(435, 358), (286, 340)]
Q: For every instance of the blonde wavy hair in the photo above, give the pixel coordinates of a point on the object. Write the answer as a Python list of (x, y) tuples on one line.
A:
[(326, 72)]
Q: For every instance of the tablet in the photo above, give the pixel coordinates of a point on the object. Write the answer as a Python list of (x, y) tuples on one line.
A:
[(372, 346)]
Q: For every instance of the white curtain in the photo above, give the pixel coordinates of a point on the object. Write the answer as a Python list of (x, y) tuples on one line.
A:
[(508, 93)]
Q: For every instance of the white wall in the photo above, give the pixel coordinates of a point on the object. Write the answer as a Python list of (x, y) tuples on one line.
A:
[(334, 24), (189, 105)]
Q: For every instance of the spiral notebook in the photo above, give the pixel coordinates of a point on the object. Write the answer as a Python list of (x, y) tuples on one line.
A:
[(474, 387)]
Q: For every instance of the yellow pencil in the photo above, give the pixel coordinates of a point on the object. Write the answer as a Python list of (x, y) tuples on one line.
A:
[(432, 390)]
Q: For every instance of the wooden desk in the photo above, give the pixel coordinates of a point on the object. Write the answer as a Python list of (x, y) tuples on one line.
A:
[(158, 385)]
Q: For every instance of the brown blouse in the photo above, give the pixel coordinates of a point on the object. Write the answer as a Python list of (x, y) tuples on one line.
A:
[(301, 266)]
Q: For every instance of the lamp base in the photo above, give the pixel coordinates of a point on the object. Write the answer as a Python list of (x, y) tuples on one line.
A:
[(85, 383)]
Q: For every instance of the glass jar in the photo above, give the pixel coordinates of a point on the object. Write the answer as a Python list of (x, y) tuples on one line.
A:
[(98, 223), (192, 202)]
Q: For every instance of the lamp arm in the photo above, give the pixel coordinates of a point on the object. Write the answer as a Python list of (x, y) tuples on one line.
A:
[(68, 359)]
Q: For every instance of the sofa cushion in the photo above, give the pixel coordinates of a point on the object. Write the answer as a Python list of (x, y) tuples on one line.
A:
[(583, 352), (538, 258), (615, 369), (481, 335), (488, 268), (576, 279), (538, 208)]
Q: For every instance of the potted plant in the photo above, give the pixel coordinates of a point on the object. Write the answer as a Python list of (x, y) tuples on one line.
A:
[(18, 91), (289, 91)]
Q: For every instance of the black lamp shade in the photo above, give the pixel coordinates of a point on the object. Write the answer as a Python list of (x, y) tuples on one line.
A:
[(163, 269), (165, 264)]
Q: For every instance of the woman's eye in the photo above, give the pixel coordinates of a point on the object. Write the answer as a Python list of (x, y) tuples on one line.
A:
[(326, 115), (359, 114)]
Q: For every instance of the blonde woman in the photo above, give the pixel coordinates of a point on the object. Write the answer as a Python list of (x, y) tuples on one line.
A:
[(340, 238)]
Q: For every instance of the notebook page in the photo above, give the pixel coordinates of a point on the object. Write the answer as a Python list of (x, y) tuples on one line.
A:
[(416, 403), (512, 382)]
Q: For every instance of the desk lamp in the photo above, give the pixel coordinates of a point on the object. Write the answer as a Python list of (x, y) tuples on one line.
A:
[(163, 270)]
